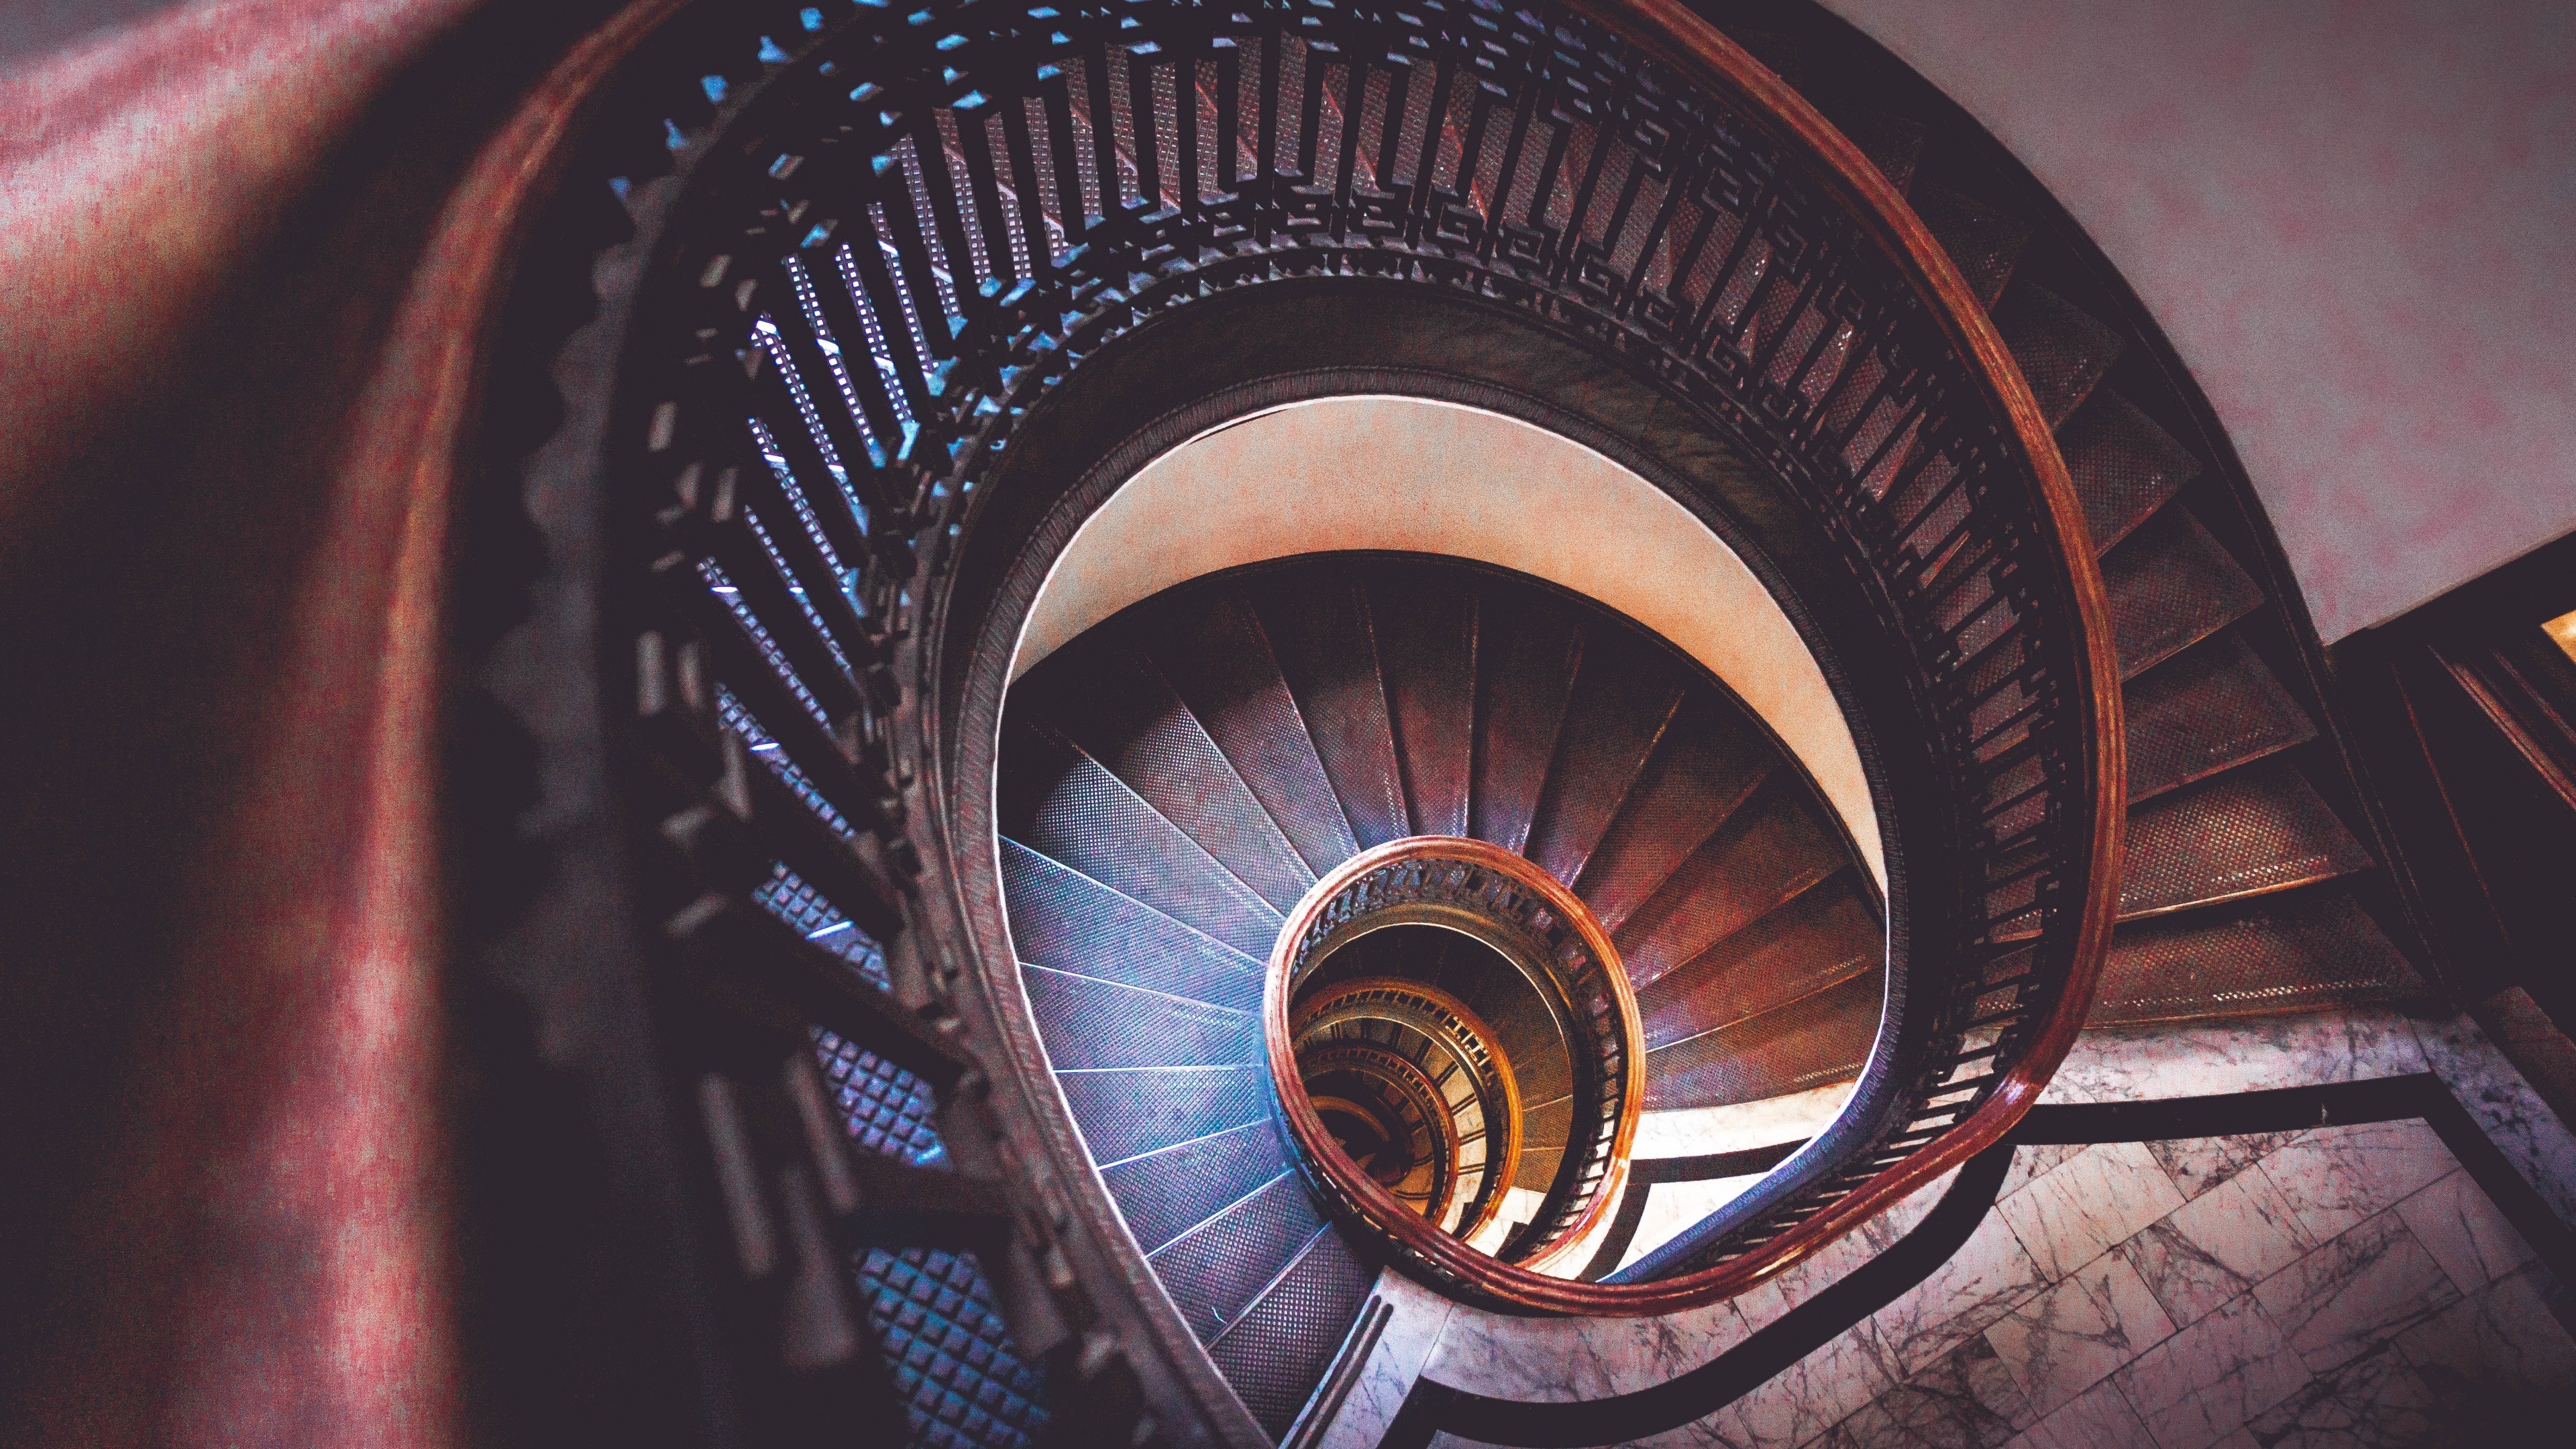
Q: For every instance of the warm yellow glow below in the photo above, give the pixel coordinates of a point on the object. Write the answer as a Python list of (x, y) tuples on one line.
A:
[(2563, 630)]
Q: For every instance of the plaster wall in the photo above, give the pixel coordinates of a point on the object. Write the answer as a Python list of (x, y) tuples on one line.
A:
[(2357, 223)]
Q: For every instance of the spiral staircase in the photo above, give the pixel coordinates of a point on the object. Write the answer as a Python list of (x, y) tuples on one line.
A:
[(973, 1082)]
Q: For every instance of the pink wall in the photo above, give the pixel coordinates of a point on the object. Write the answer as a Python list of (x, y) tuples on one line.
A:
[(2357, 222)]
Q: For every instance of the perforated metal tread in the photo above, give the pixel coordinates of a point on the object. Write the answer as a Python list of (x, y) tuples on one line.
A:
[(1426, 636), (2171, 586), (1218, 658), (2123, 466), (1063, 805), (1529, 651), (1066, 921), (1277, 1351), (1826, 935), (2212, 707), (1704, 769), (2296, 951), (1216, 1271), (2063, 350), (1113, 703), (2259, 829), (1624, 695), (1326, 644), (1808, 1043), (1982, 242), (1770, 849)]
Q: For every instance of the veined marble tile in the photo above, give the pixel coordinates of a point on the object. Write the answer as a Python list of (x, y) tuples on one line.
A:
[(2098, 1418), (2522, 1127), (1884, 1229), (2333, 1177), (2216, 1247), (2496, 1351), (1810, 1396), (2197, 1164), (2093, 1200), (2136, 1064), (2032, 1163), (1764, 1303), (2374, 1402), (1989, 1274), (1564, 1359), (2355, 1293), (1392, 1365), (2069, 1338), (2465, 1231), (1965, 1399), (2199, 1385)]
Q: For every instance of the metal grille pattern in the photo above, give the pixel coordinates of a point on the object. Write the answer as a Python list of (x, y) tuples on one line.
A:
[(961, 1384), (886, 1108), (1752, 284)]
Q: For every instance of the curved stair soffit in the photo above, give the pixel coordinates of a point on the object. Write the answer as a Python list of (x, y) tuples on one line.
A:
[(1421, 475)]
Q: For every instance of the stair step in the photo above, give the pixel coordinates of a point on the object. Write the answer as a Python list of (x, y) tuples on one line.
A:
[(1326, 645), (1528, 651), (2124, 467), (1279, 1350), (1808, 1043), (2171, 586), (1218, 1269), (1167, 1193), (1827, 934), (2063, 350), (2260, 829), (1773, 848), (2206, 710), (1213, 650), (1128, 1111), (1060, 803), (1065, 920), (1624, 695), (1983, 243), (2293, 952), (1426, 637), (1893, 144), (1092, 1024), (1116, 706), (1709, 761)]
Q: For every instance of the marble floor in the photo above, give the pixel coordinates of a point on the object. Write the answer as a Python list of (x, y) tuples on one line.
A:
[(2339, 1285)]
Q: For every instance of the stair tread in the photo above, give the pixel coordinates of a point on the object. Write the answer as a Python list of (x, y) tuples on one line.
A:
[(1624, 694), (1709, 761), (1165, 1194), (1113, 703), (1892, 143), (1983, 243), (2291, 952), (1126, 1112), (1811, 1042), (2063, 350), (2124, 467), (1524, 674), (1427, 646), (1059, 802), (1092, 1024), (1063, 919), (1825, 935), (2262, 828), (1212, 648), (1279, 1350), (2172, 585), (2208, 709), (1326, 645), (1771, 849), (1217, 1269)]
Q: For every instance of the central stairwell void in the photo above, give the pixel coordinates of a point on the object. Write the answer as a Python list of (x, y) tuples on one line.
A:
[(1295, 630)]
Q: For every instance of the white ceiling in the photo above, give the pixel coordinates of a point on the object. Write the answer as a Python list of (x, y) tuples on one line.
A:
[(2357, 223)]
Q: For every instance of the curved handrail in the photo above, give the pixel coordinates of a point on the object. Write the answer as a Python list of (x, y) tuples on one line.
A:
[(1869, 380)]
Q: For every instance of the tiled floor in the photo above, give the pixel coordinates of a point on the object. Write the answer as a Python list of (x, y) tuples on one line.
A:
[(2345, 1286)]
